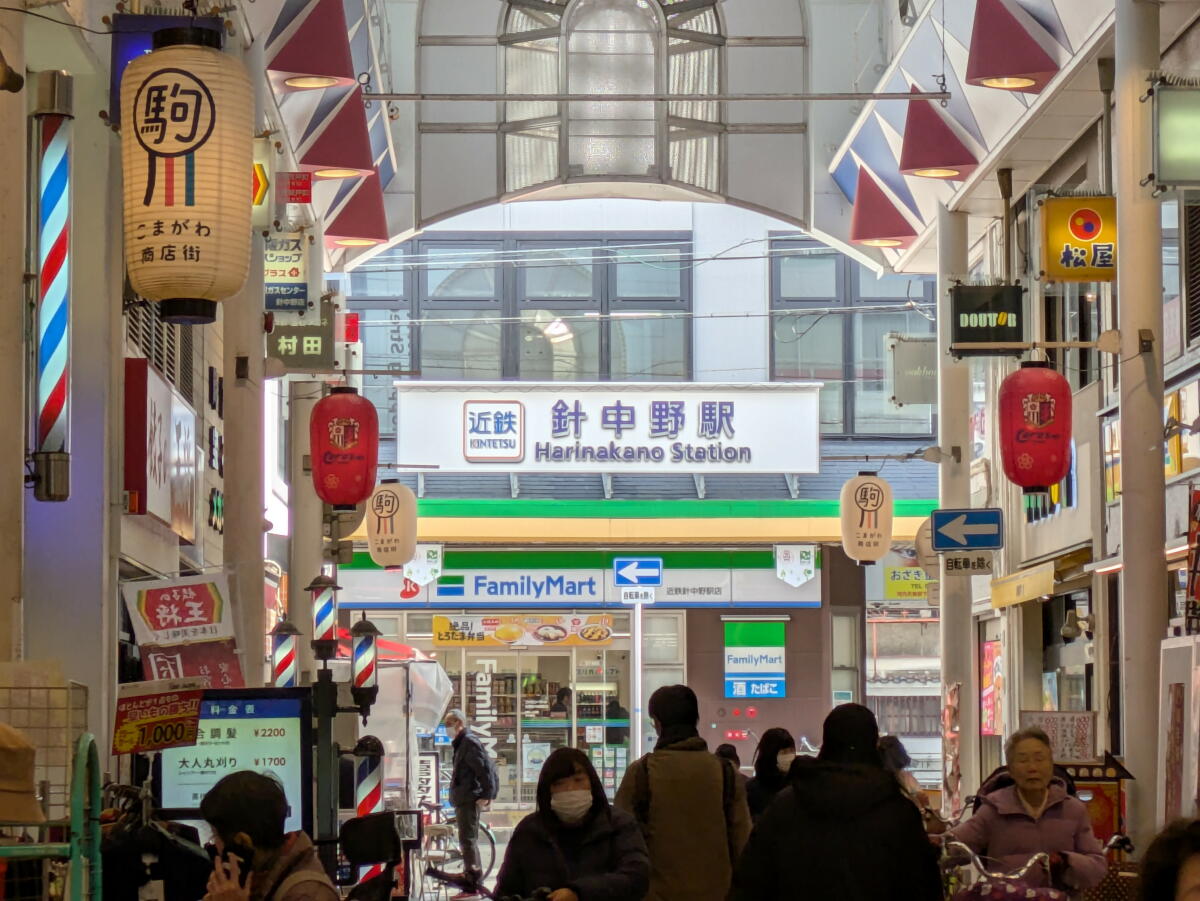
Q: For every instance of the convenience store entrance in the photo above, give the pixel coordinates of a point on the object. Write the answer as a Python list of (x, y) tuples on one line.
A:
[(524, 704)]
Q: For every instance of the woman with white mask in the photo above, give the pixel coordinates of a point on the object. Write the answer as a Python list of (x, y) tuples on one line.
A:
[(772, 761), (575, 844)]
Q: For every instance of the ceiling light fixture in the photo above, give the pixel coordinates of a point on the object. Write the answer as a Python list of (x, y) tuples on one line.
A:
[(1008, 83), (1005, 52), (932, 149), (875, 220), (311, 82), (334, 172), (356, 242)]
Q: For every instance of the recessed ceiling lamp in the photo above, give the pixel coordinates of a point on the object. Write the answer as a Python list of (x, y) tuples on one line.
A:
[(311, 82), (1004, 52), (875, 221), (931, 148)]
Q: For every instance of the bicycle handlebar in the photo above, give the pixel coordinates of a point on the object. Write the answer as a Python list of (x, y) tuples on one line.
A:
[(1041, 858)]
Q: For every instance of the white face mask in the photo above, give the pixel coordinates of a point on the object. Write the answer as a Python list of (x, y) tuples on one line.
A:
[(571, 806), (784, 759)]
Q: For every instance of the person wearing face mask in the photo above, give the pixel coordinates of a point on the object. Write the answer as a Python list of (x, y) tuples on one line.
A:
[(575, 844), (1035, 815), (772, 760)]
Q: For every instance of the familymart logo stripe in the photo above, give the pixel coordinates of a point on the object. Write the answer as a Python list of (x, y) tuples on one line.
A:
[(451, 587)]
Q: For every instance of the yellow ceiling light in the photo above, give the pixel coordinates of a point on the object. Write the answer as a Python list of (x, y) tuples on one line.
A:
[(311, 82), (880, 242), (356, 242), (1009, 83), (937, 172), (335, 172)]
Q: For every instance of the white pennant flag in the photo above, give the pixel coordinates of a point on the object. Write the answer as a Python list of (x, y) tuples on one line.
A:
[(796, 564), (426, 565)]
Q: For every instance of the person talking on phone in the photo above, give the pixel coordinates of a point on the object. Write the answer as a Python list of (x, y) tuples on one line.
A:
[(255, 860)]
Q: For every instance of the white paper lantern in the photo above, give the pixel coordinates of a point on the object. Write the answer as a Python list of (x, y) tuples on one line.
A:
[(392, 524), (187, 154), (866, 518)]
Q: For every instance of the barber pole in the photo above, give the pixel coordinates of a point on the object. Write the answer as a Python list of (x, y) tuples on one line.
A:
[(283, 655), (368, 790), (324, 614)]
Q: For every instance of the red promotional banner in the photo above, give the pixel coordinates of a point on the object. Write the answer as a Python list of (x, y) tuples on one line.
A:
[(216, 663), (179, 611), (154, 715), (296, 187)]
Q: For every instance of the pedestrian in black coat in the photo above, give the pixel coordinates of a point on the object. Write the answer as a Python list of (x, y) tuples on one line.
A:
[(842, 829), (772, 762), (575, 844)]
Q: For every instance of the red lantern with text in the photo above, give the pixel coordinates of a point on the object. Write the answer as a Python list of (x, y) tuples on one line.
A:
[(344, 435), (1035, 427)]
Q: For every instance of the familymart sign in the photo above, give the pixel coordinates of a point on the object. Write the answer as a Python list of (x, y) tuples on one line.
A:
[(754, 660)]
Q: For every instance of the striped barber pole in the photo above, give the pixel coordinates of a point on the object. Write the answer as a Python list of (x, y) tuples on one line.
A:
[(368, 799), (325, 616), (283, 662), (54, 282), (364, 655)]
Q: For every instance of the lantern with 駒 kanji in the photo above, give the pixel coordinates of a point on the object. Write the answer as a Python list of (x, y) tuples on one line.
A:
[(186, 151), (1035, 427), (344, 436), (866, 518)]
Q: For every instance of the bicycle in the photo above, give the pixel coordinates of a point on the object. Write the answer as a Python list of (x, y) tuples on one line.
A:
[(953, 854), (440, 849)]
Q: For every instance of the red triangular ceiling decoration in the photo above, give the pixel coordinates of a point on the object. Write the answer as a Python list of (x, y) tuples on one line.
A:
[(930, 142), (1001, 47), (320, 46), (344, 141), (363, 216), (875, 217)]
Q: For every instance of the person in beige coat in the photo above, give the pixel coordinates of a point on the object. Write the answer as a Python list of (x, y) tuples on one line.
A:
[(689, 803)]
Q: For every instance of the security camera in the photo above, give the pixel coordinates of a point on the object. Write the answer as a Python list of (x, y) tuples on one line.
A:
[(10, 79)]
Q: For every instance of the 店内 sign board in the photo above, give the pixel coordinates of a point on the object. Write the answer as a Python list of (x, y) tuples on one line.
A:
[(610, 427)]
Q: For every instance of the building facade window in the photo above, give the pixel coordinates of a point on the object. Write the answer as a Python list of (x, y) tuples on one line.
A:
[(830, 318), (617, 47), (485, 308)]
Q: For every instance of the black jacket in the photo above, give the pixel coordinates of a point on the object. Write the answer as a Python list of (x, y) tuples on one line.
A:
[(471, 778), (839, 832), (761, 792), (603, 859)]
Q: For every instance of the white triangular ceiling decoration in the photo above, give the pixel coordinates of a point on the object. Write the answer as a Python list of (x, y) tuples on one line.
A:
[(1081, 18)]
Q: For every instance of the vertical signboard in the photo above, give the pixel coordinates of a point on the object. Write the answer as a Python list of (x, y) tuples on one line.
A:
[(1079, 239), (991, 689), (754, 660), (304, 343), (285, 272)]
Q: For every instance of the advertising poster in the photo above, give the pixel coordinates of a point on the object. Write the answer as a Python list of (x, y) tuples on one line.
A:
[(565, 631), (991, 669), (151, 716), (1192, 604), (905, 583), (533, 755), (262, 734), (796, 564), (1072, 733), (179, 611), (215, 663)]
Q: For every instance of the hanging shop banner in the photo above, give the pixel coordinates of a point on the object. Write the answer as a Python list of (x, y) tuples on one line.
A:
[(160, 450), (285, 272), (1176, 136), (905, 583), (1192, 603), (981, 313), (154, 715), (991, 689), (866, 502), (425, 566), (613, 427), (582, 631), (179, 611), (304, 343), (216, 663), (796, 564), (914, 360), (1079, 239), (754, 660)]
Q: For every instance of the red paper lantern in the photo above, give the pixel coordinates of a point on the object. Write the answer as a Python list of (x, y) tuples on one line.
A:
[(1035, 427), (344, 436)]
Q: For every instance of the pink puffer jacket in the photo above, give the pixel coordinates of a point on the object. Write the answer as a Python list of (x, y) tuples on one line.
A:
[(1005, 833)]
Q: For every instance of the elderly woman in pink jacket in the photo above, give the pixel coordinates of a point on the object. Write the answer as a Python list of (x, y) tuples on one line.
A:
[(1035, 815)]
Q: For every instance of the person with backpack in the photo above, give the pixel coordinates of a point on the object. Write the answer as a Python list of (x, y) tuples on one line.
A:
[(255, 859), (842, 829), (689, 803), (575, 844), (473, 786)]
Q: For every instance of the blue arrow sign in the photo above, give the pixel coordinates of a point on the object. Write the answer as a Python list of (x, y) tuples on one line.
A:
[(646, 571), (967, 530)]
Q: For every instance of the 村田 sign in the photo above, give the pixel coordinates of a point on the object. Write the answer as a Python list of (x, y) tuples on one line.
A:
[(610, 427), (1079, 239)]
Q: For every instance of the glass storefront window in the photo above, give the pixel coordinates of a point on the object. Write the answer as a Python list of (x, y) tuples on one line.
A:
[(465, 347), (546, 700), (646, 346), (559, 346), (889, 286), (810, 346), (459, 273), (874, 412)]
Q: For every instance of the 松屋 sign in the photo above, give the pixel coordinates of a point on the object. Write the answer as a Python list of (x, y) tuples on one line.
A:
[(754, 660), (612, 427), (1079, 239)]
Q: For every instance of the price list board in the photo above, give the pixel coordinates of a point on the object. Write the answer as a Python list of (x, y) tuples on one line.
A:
[(266, 731)]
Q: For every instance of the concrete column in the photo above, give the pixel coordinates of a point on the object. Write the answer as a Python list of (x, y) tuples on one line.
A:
[(304, 511), (1139, 297), (954, 490), (12, 344), (242, 319)]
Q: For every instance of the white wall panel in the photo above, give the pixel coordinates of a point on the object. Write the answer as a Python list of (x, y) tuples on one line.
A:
[(769, 171), (456, 170)]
